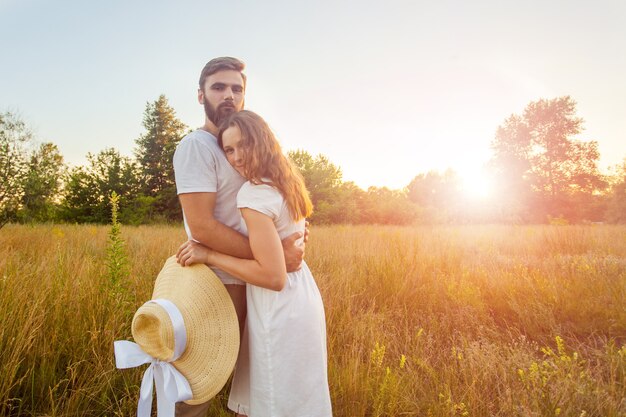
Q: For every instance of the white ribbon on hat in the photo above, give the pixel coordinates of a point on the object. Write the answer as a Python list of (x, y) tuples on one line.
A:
[(171, 385)]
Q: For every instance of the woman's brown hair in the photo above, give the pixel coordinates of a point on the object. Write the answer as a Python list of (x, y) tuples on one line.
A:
[(264, 159)]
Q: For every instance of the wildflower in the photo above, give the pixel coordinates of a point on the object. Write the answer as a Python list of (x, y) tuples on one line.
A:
[(402, 361)]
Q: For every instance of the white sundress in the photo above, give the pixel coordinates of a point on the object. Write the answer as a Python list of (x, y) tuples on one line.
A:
[(282, 369)]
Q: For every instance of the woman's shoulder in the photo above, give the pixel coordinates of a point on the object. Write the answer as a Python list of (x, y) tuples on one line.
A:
[(261, 197), (258, 189)]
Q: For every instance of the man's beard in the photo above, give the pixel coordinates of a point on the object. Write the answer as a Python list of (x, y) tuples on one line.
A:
[(218, 115)]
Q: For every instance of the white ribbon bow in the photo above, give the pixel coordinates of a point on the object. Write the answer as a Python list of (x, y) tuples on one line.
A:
[(171, 385)]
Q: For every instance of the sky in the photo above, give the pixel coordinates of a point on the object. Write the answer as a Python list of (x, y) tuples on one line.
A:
[(385, 89)]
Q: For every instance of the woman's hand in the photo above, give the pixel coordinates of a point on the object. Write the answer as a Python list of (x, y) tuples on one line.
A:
[(191, 252)]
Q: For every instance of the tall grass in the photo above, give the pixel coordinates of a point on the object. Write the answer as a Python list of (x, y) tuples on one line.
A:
[(424, 321)]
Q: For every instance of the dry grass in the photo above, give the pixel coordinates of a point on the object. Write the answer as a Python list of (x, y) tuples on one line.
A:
[(425, 321)]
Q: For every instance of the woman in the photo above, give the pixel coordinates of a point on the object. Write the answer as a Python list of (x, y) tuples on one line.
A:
[(286, 323)]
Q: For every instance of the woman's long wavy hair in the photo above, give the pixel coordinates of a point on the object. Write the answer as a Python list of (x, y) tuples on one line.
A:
[(264, 160)]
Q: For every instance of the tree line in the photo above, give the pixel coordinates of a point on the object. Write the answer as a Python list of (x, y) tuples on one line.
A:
[(543, 175)]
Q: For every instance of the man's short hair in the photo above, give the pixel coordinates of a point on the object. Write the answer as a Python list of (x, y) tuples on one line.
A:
[(223, 63)]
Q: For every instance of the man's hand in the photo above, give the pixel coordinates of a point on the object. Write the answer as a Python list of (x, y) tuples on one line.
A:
[(306, 231), (294, 252)]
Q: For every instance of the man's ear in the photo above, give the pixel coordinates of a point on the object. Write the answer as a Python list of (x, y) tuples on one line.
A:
[(200, 96)]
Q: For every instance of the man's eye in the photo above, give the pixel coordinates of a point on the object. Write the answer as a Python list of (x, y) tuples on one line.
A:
[(237, 89)]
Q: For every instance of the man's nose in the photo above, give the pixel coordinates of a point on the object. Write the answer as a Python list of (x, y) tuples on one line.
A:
[(229, 94)]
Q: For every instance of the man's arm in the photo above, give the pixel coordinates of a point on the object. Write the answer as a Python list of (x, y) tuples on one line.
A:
[(266, 270), (198, 209)]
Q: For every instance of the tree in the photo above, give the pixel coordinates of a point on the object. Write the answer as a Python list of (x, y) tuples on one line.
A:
[(542, 170), (42, 184), (323, 180), (437, 196), (335, 201), (154, 153), (14, 140), (88, 187), (616, 212), (384, 206), (344, 207), (509, 167)]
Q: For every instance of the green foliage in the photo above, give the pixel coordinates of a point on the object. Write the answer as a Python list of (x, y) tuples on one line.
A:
[(140, 210), (154, 153), (42, 184), (88, 188), (323, 181), (385, 206), (616, 211), (541, 169), (116, 284), (117, 262), (541, 173), (14, 139), (384, 382), (343, 208), (617, 204), (550, 384), (335, 201)]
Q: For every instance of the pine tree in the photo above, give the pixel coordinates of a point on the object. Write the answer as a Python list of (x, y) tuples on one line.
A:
[(154, 153)]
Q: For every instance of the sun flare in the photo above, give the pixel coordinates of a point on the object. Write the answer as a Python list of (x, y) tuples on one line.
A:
[(476, 185)]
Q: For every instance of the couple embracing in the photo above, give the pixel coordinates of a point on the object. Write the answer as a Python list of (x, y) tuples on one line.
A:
[(245, 206)]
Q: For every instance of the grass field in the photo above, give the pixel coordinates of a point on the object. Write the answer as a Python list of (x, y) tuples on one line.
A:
[(423, 321)]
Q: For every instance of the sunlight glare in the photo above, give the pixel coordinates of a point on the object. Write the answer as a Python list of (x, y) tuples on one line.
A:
[(476, 185)]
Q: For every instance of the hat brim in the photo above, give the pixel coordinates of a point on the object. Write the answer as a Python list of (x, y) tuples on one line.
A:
[(211, 324)]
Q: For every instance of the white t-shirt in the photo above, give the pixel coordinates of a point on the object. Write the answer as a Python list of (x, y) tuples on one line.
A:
[(200, 166), (267, 200)]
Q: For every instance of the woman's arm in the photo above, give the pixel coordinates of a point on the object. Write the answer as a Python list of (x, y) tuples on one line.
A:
[(198, 209), (266, 270), (206, 229)]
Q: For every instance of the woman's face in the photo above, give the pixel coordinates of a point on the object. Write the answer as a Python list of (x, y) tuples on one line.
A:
[(233, 148)]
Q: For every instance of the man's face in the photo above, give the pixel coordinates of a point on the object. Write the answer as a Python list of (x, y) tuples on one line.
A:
[(222, 95)]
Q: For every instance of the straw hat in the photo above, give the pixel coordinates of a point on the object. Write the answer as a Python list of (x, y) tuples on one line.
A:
[(210, 321)]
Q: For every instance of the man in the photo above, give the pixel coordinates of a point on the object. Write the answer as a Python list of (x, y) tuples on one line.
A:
[(207, 186)]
